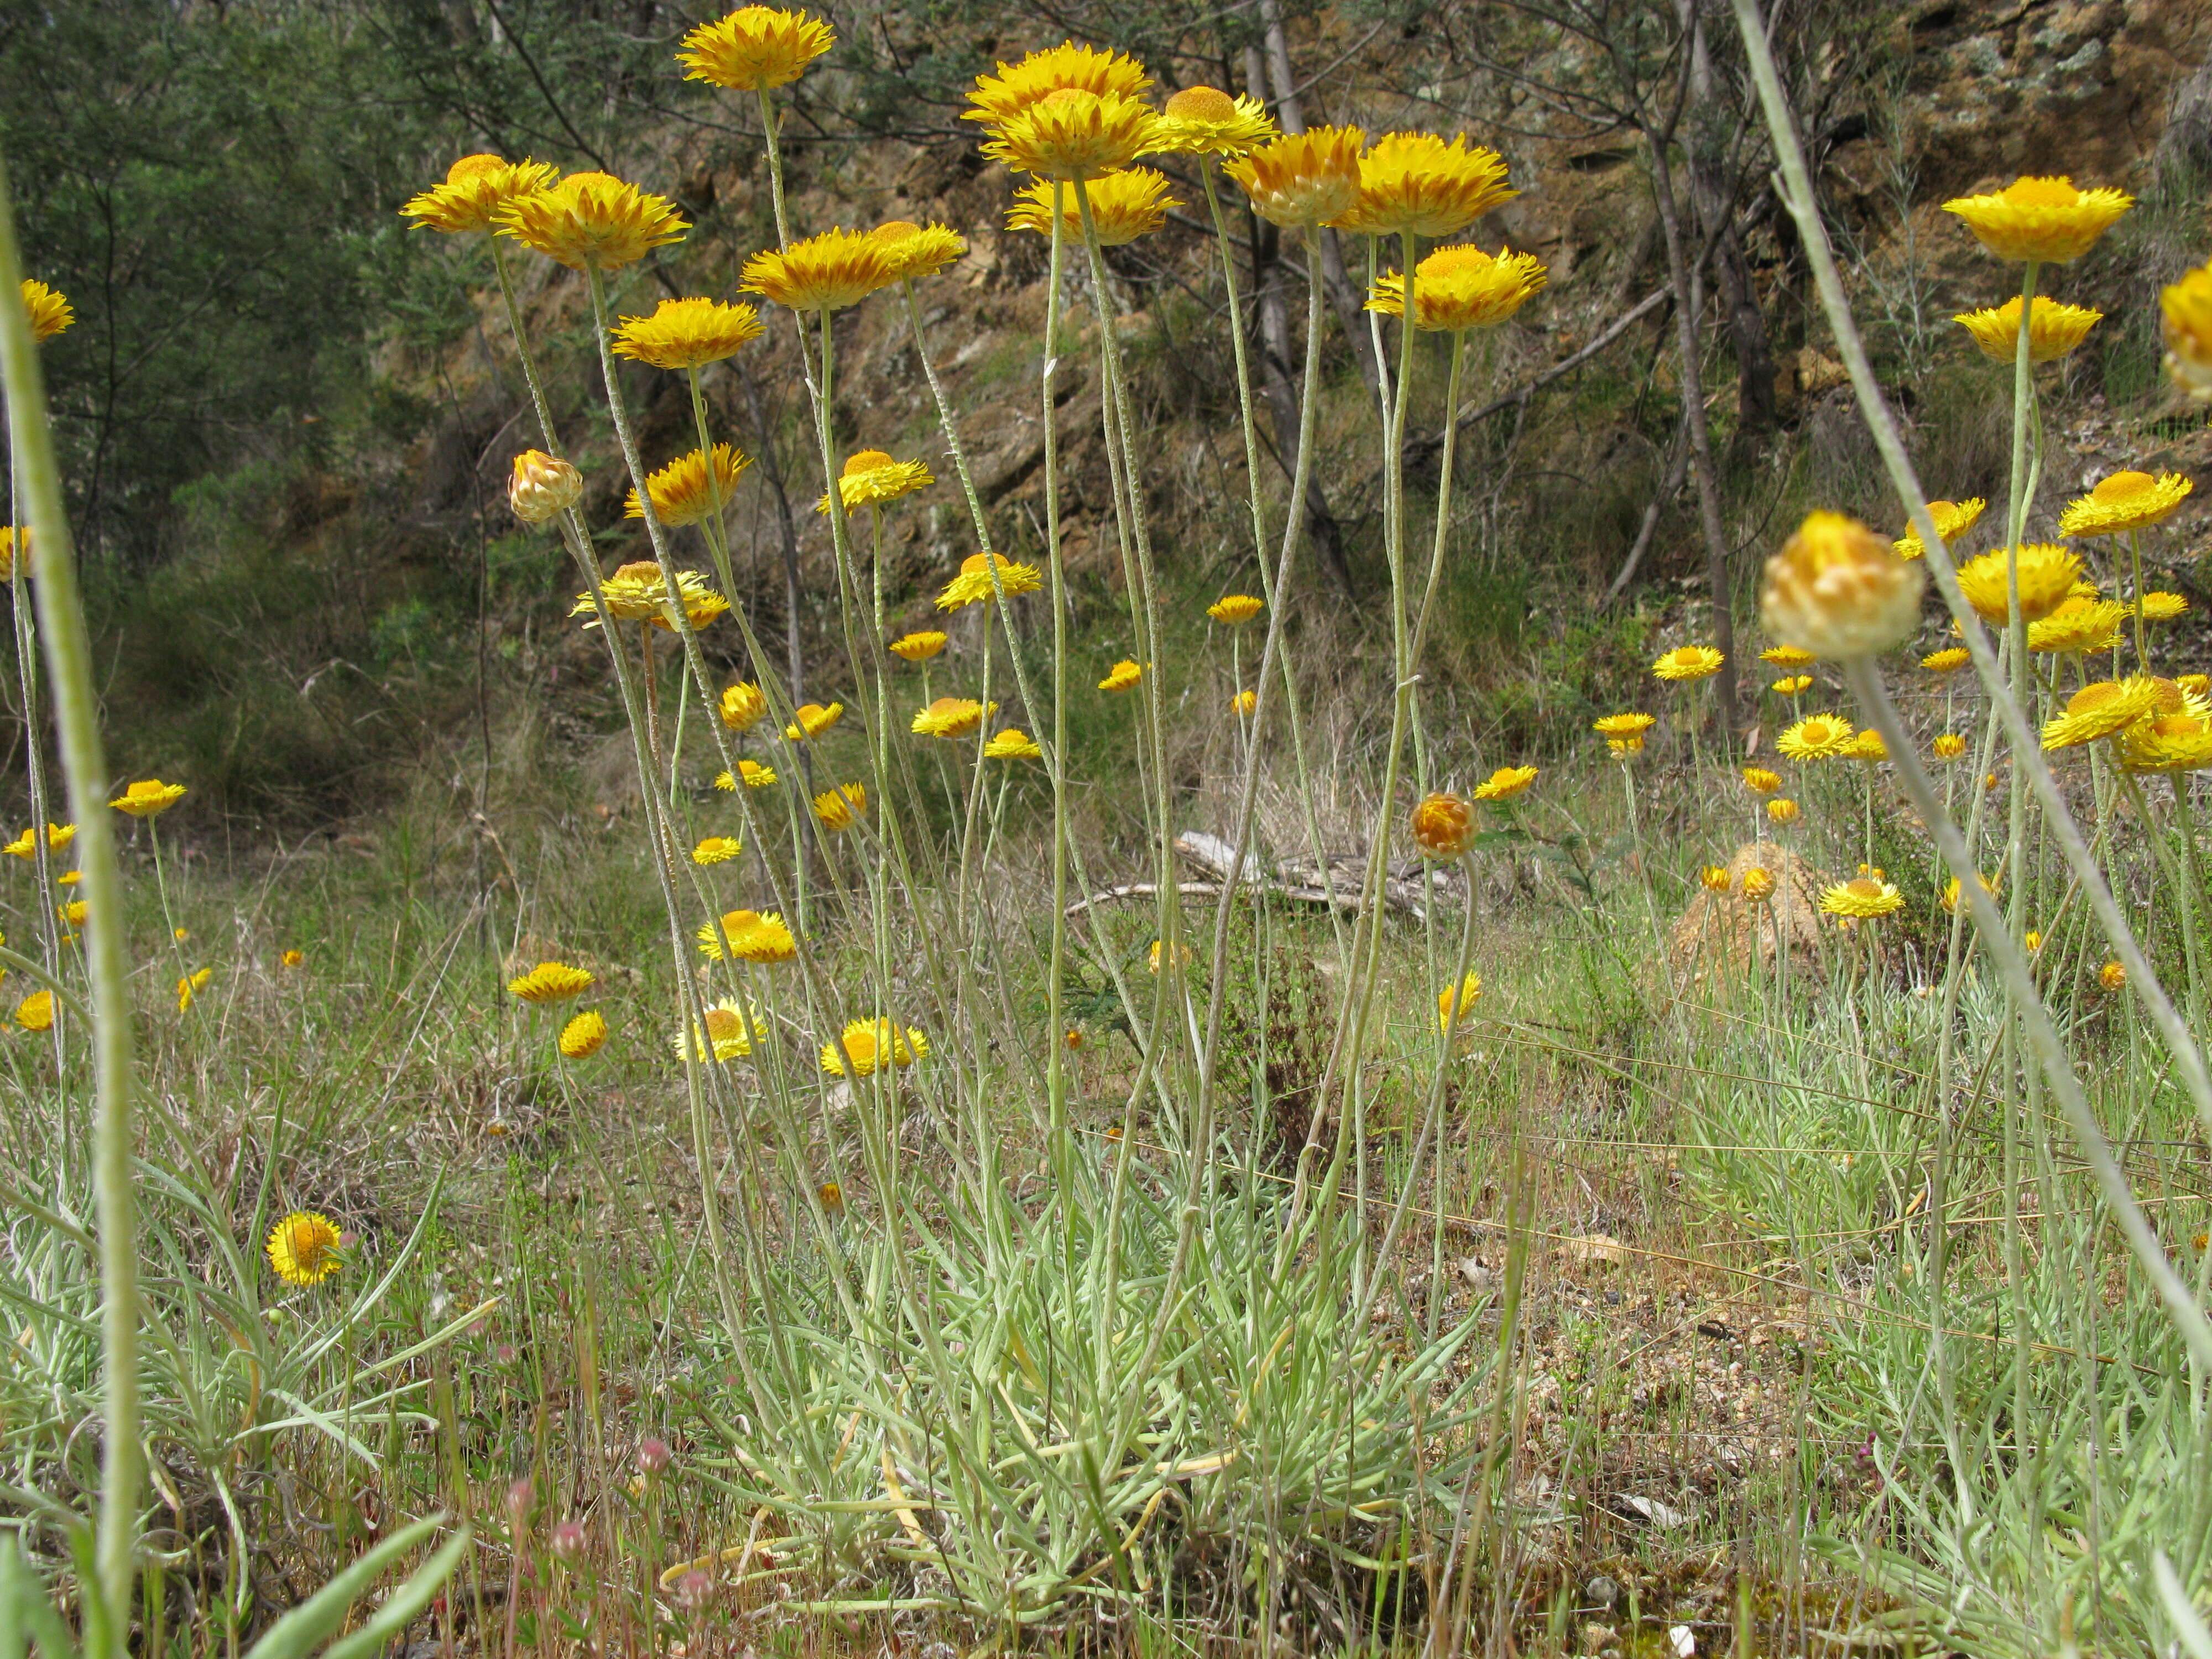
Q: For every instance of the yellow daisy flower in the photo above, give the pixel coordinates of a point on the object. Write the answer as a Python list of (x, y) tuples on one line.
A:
[(1123, 675), (2098, 711), (1505, 782), (1687, 662), (1460, 288), (292, 959), (35, 1013), (743, 706), (1760, 781), (1416, 182), (687, 333), (913, 251), (148, 797), (2078, 627), (12, 538), (2157, 606), (812, 719), (950, 717), (2047, 574), (872, 1046), (1442, 826), (1953, 520), (1951, 892), (476, 188), (2167, 743), (1303, 179), (1782, 810), (1243, 703), (1205, 121), (48, 309), (583, 1037), (1623, 725), (190, 986), (2053, 330), (682, 492), (1867, 747), (829, 272), (24, 846), (1071, 134), (841, 808), (73, 913), (1125, 204), (755, 48), (2125, 501), (1861, 898), (1714, 878), (2113, 975), (1787, 656), (2186, 327), (973, 585), (1839, 590), (871, 477), (1454, 1002), (1791, 684), (590, 222), (303, 1248), (1757, 884), (552, 982), (716, 850), (730, 1034), (917, 647), (1949, 661), (638, 592), (542, 487), (2046, 219), (1013, 744), (1817, 736), (755, 777), (1016, 87), (1948, 746), (753, 936)]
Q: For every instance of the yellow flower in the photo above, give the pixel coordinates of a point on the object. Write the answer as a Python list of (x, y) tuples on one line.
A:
[(687, 333), (1071, 134), (742, 705), (2052, 330), (753, 936), (476, 188), (755, 48), (1303, 179), (2113, 975), (1453, 1001), (1505, 782), (2157, 606), (1953, 520), (24, 846), (1013, 744), (829, 272), (303, 1248), (973, 585), (1949, 746), (1243, 703), (874, 1045), (542, 487), (1714, 878), (73, 913), (2033, 940), (35, 1013), (583, 1037), (755, 775), (1182, 954), (2185, 325), (1861, 898), (1782, 810), (2047, 574), (12, 538), (1758, 885), (1125, 204), (950, 717), (1760, 781), (2078, 627), (1415, 182), (2046, 219), (1867, 746), (1623, 747), (592, 221), (1949, 661), (1460, 288), (639, 593), (1442, 826), (1121, 677), (2125, 501), (913, 251), (1205, 121), (918, 647), (2179, 742), (871, 477), (832, 1196), (812, 719), (682, 492), (48, 309), (842, 807), (1622, 725), (1816, 737), (180, 934), (1791, 684), (552, 982), (2098, 711), (148, 797), (1787, 656), (1839, 590), (1951, 892), (1687, 662), (292, 959), (1016, 87), (729, 1034), (716, 850), (191, 985)]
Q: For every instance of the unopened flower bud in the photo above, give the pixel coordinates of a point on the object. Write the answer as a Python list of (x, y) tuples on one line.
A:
[(1757, 884), (568, 1542), (1443, 826), (518, 1498), (652, 1455), (1839, 590), (543, 486)]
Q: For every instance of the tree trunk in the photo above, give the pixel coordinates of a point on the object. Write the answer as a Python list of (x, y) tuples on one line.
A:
[(1713, 186)]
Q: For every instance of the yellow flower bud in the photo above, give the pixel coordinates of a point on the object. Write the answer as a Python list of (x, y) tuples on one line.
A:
[(543, 486), (1839, 590)]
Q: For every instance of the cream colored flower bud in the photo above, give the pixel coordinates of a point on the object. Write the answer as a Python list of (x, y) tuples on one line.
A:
[(543, 486), (1839, 590)]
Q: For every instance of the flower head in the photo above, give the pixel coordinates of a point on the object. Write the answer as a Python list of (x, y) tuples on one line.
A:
[(973, 586), (1687, 662), (913, 251), (871, 477), (35, 1013), (1782, 810), (2157, 606), (2098, 711), (1787, 656), (14, 539), (1861, 898), (1623, 725), (812, 719), (716, 850), (755, 777), (873, 1045), (542, 487), (24, 846), (1760, 781), (1183, 955), (729, 1035), (2124, 501), (1071, 133), (1951, 892), (584, 1035), (292, 959), (1817, 736), (1243, 703), (148, 797), (1953, 520), (1012, 744), (755, 48), (1235, 609), (2078, 628), (1839, 590), (1125, 204), (951, 717), (742, 705), (842, 807), (1505, 782), (1415, 183), (917, 647), (1303, 179), (1868, 747), (682, 493), (2113, 975), (48, 310), (2047, 574), (829, 272), (639, 593), (1949, 661), (1205, 121), (1016, 87), (475, 189), (687, 333), (2186, 326), (592, 221), (1948, 746), (753, 936), (1442, 826), (2046, 219), (1790, 685), (1121, 677), (2053, 330), (303, 1248), (1757, 884), (1453, 1001), (552, 981), (190, 986), (73, 913), (1460, 288), (1714, 878), (2179, 742)]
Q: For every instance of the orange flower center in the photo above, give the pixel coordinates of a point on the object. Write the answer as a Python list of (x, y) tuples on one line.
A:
[(2123, 486), (1202, 104), (865, 460), (2042, 192)]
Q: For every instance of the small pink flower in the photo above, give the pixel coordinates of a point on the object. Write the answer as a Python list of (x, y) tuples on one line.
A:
[(569, 1539), (652, 1455)]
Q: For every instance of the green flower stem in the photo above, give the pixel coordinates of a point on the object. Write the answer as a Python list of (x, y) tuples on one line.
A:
[(945, 422), (68, 642), (769, 127), (2134, 561)]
